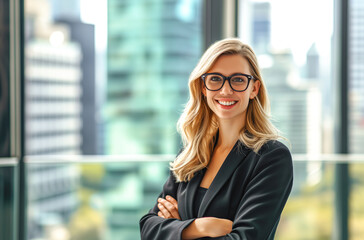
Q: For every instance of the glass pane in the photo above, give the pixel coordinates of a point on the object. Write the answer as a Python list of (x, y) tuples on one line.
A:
[(108, 77), (92, 201), (105, 200), (356, 115), (292, 40), (8, 204), (294, 51), (103, 77), (356, 210), (152, 48), (5, 81), (356, 76), (309, 211)]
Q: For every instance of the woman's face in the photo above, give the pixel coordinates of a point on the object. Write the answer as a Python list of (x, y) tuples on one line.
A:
[(227, 103)]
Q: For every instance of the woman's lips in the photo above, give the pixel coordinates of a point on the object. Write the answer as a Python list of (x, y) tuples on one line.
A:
[(226, 104)]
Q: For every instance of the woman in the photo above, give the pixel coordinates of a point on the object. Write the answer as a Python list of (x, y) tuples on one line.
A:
[(232, 178)]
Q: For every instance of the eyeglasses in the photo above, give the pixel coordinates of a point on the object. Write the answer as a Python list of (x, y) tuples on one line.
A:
[(239, 82)]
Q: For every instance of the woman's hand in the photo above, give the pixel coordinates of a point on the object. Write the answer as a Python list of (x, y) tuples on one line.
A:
[(168, 208)]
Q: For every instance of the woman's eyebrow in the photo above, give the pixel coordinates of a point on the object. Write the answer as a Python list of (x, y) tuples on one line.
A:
[(237, 73)]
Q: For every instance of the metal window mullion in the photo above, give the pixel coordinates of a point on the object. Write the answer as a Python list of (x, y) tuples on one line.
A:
[(342, 188), (19, 116), (220, 20), (213, 19), (14, 111), (236, 18)]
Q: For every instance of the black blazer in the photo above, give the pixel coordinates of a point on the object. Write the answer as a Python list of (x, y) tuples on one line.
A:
[(249, 189)]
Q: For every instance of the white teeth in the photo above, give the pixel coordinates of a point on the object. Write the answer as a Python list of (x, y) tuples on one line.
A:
[(227, 103)]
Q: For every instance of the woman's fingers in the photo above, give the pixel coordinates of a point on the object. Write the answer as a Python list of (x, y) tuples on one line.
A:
[(169, 208), (164, 211), (173, 201), (161, 214)]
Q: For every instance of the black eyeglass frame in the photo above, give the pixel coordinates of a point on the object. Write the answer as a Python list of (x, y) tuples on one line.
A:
[(228, 78)]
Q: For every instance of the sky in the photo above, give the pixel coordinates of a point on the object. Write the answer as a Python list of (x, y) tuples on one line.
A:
[(295, 25), (299, 24)]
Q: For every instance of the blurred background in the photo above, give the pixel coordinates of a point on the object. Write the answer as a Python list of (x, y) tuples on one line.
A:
[(91, 91)]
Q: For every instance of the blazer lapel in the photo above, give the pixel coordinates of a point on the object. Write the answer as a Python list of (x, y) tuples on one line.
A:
[(187, 195), (233, 159)]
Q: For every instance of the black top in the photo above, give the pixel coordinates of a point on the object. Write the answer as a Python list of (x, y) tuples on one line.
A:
[(200, 193)]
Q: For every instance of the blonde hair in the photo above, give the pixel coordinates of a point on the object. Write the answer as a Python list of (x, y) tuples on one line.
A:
[(198, 125)]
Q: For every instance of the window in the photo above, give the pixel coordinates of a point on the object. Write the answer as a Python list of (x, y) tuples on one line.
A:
[(292, 40), (103, 78)]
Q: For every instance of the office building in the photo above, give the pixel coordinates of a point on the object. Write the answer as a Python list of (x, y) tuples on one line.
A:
[(53, 118), (152, 48)]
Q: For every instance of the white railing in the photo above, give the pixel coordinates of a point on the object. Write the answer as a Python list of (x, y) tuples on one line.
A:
[(335, 158), (4, 162)]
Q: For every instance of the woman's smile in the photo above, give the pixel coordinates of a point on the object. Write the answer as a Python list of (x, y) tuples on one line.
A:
[(226, 103)]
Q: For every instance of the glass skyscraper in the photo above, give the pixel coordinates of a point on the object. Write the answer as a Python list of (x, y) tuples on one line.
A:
[(152, 48)]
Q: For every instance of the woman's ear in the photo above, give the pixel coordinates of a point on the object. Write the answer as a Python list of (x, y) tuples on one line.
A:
[(256, 87)]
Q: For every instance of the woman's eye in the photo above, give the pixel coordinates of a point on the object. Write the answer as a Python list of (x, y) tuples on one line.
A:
[(238, 80), (215, 79)]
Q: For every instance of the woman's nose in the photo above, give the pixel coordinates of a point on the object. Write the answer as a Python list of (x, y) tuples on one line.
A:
[(226, 89)]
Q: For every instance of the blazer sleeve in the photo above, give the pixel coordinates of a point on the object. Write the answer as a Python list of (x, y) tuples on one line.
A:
[(265, 196), (153, 227)]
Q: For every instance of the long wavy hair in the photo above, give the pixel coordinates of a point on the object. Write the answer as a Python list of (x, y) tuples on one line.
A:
[(198, 125)]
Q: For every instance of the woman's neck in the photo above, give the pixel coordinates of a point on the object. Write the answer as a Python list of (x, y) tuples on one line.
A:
[(229, 132)]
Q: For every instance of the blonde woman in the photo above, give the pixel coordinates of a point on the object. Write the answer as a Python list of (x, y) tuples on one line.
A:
[(232, 178)]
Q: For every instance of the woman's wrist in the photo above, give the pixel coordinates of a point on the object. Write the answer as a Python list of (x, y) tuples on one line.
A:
[(195, 230), (207, 227), (201, 226)]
